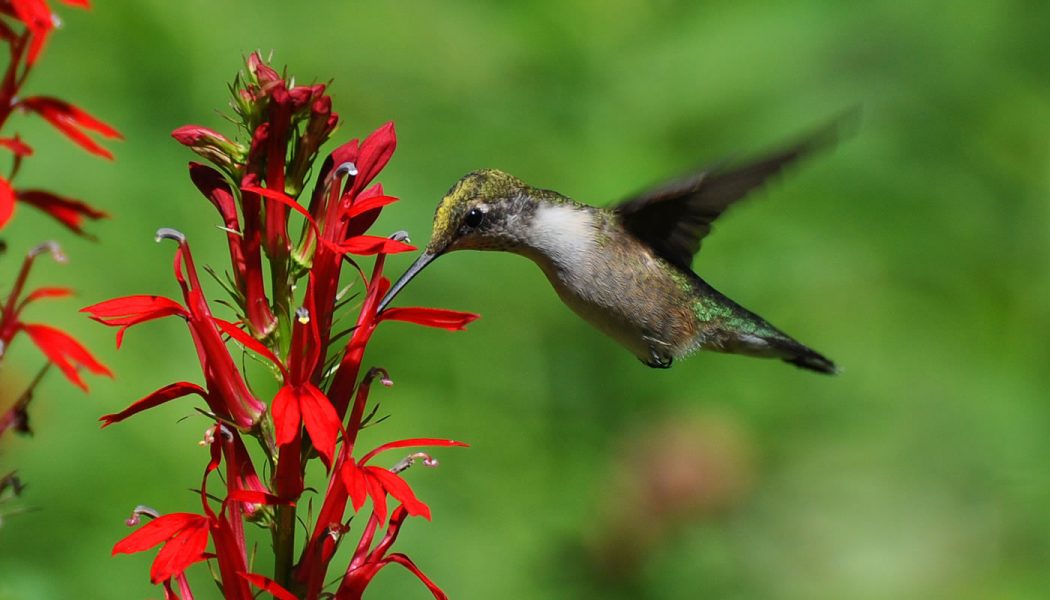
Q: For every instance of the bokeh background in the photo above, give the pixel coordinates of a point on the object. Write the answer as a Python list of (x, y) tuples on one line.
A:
[(915, 254)]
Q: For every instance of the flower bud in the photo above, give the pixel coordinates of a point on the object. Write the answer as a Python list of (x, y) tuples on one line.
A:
[(211, 145)]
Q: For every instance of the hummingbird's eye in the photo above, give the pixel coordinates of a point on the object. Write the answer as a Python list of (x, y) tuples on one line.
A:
[(474, 217)]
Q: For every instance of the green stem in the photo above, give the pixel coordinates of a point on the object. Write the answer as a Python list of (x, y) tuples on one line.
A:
[(284, 545), (282, 303)]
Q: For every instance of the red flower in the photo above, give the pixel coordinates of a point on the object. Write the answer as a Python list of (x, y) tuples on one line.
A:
[(366, 564), (24, 48), (299, 402), (59, 347), (16, 145), (7, 201), (185, 535), (68, 211), (362, 480), (64, 352), (256, 183), (132, 310), (185, 538), (72, 122), (431, 317), (36, 15), (164, 394), (228, 395)]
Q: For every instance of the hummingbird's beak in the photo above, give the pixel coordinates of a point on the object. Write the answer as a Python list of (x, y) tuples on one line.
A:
[(424, 259)]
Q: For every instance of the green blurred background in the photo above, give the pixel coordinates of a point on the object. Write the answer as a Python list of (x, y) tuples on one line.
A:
[(915, 254)]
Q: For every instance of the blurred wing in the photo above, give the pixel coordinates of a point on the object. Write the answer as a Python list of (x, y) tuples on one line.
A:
[(673, 218)]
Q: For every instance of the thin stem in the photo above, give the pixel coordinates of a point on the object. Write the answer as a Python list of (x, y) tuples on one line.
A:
[(12, 81), (11, 418)]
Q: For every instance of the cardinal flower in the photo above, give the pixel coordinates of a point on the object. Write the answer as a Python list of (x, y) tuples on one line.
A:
[(184, 537), (362, 479), (61, 349), (285, 310), (228, 394), (299, 402)]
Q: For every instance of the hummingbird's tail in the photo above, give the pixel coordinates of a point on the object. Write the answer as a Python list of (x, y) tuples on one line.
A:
[(803, 357), (754, 336), (769, 342), (765, 341), (732, 328)]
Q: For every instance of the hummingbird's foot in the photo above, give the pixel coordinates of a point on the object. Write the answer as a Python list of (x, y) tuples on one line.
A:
[(657, 361), (659, 357)]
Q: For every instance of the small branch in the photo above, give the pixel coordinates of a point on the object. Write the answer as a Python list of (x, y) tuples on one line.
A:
[(13, 417)]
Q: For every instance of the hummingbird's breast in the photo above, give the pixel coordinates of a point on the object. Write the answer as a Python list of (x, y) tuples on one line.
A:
[(612, 280)]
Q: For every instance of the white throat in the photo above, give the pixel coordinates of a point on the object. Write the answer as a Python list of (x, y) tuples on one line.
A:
[(563, 233)]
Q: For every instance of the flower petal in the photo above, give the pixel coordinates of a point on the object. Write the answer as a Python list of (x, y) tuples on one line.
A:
[(321, 421), (360, 214), (442, 318), (268, 585), (215, 188), (286, 200), (16, 145), (286, 416), (65, 352), (375, 152), (47, 292), (7, 201), (72, 121), (164, 394), (75, 114), (112, 312), (68, 211), (407, 563), (247, 340), (363, 204), (354, 480), (256, 497), (132, 310), (372, 244), (400, 490), (410, 443), (154, 532), (181, 551), (378, 494), (37, 17)]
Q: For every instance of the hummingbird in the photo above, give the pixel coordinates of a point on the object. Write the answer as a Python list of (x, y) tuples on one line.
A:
[(626, 269)]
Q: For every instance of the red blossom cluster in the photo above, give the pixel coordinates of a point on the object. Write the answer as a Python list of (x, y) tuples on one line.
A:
[(289, 298), (25, 30), (25, 26)]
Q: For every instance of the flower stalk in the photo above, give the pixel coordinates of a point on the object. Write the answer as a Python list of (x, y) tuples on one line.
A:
[(257, 182)]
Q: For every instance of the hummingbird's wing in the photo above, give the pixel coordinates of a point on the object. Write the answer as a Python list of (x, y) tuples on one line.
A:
[(674, 217)]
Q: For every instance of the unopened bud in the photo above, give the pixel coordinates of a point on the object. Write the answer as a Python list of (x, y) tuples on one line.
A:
[(211, 145)]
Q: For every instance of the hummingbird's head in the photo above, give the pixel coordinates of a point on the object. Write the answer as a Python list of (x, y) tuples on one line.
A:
[(485, 210)]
